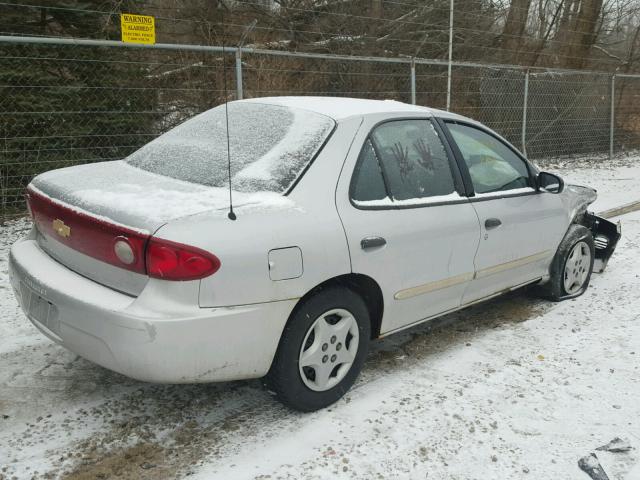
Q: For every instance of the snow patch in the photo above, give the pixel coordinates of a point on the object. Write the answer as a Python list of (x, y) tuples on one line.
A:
[(82, 211), (268, 146), (158, 205), (387, 202)]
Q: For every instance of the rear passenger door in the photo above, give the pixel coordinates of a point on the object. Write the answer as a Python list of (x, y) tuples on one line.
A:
[(407, 225), (521, 226)]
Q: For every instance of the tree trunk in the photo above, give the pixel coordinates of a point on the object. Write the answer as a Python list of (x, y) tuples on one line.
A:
[(563, 32), (584, 34), (514, 27), (544, 36)]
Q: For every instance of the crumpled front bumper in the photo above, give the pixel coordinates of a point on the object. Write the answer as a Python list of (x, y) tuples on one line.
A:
[(606, 235)]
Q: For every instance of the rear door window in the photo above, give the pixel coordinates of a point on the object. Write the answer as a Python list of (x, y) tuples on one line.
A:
[(368, 184), (413, 161)]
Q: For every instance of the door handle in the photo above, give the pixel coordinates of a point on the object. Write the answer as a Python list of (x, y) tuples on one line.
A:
[(490, 223), (372, 242)]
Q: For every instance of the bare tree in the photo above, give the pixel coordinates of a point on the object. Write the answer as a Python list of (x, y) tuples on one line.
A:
[(514, 27), (583, 33)]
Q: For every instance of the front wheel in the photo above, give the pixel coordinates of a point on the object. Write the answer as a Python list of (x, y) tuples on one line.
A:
[(572, 265), (321, 351)]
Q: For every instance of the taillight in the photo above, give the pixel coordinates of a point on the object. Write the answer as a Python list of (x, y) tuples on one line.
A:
[(175, 261), (96, 237), (118, 245)]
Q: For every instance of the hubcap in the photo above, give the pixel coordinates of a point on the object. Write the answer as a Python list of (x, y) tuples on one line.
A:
[(576, 270), (328, 350)]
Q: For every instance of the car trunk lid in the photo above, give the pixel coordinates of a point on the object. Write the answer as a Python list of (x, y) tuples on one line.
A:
[(81, 211)]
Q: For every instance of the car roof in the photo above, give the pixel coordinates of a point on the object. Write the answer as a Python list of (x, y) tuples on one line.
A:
[(340, 108)]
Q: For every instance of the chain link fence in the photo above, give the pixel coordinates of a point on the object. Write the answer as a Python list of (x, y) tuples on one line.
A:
[(68, 102)]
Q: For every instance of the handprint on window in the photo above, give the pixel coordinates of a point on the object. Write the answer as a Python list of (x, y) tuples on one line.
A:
[(424, 151), (402, 157)]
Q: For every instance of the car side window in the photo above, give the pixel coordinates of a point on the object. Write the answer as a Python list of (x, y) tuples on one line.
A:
[(368, 183), (413, 159), (492, 165)]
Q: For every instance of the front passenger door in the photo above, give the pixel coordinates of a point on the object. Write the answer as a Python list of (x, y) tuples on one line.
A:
[(521, 227)]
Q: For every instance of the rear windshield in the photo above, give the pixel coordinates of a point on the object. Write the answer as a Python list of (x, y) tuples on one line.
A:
[(270, 146)]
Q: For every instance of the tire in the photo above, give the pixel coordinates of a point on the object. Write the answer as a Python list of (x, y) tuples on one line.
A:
[(333, 360), (569, 280)]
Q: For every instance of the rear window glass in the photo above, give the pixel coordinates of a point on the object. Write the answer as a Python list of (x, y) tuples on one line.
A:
[(270, 146)]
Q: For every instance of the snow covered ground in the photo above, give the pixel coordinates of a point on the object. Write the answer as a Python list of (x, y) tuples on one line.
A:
[(514, 388)]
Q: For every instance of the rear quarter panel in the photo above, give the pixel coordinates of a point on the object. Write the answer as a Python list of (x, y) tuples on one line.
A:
[(310, 222)]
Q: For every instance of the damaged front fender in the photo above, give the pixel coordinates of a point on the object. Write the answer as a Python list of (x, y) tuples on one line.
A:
[(578, 199), (605, 233)]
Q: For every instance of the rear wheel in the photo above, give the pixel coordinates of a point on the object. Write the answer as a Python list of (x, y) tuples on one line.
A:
[(321, 351), (572, 265)]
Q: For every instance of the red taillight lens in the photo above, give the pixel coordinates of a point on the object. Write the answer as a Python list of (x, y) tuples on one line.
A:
[(118, 245), (175, 261), (98, 238)]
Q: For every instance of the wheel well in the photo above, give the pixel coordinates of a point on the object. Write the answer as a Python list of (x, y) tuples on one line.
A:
[(364, 286)]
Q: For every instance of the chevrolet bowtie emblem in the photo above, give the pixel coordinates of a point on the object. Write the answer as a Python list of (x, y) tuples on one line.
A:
[(61, 229)]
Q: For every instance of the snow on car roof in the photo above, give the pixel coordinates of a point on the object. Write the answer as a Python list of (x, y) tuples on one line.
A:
[(340, 108)]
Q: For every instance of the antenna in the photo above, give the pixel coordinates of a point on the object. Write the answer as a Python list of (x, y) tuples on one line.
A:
[(247, 31), (231, 214)]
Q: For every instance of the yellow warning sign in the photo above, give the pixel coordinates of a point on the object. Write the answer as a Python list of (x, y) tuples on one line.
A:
[(138, 28)]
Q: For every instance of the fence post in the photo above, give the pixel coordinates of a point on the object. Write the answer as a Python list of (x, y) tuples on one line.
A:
[(3, 198), (613, 115), (450, 55), (413, 82), (525, 106), (239, 73)]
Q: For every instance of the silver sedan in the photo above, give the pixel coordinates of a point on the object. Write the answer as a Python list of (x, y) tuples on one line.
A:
[(275, 237)]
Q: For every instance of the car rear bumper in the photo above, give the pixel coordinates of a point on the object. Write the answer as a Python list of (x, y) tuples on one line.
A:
[(146, 338)]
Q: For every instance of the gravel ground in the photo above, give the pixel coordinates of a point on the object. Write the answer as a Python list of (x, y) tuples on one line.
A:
[(514, 388)]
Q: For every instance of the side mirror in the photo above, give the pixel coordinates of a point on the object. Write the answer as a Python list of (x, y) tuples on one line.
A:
[(550, 183)]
